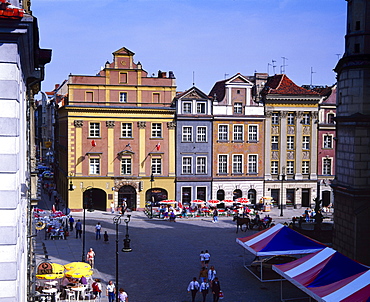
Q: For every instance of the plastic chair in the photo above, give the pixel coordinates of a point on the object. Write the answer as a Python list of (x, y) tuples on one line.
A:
[(70, 295)]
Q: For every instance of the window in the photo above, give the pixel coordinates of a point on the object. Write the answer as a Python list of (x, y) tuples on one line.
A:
[(274, 167), (123, 97), (186, 108), (290, 142), (331, 118), (201, 193), (201, 165), (274, 143), (326, 169), (156, 130), (186, 195), (237, 164), (238, 107), (201, 107), (123, 77), (186, 165), (156, 166), (305, 167), (201, 134), (306, 143), (306, 119), (94, 166), (126, 166), (328, 142), (252, 164), (187, 135), (290, 118), (223, 134), (89, 96), (94, 130), (126, 130), (252, 133), (222, 164), (156, 98), (290, 167), (275, 118), (238, 133)]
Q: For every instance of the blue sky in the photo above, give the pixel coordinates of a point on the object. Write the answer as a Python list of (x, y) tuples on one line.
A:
[(210, 39)]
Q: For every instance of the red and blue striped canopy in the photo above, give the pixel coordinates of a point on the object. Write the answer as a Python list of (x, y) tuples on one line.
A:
[(279, 240), (328, 276)]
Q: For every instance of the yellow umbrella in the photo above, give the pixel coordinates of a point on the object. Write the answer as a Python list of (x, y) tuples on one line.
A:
[(78, 273), (57, 268), (77, 265), (50, 276)]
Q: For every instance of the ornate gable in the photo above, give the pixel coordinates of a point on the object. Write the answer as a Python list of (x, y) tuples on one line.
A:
[(239, 79), (193, 93)]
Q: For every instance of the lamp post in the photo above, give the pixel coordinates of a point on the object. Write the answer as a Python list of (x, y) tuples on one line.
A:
[(126, 248), (85, 203), (151, 195), (282, 189)]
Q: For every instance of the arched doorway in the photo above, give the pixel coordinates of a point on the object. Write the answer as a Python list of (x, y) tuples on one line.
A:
[(95, 199), (252, 196), (220, 194), (129, 193), (156, 195), (237, 194)]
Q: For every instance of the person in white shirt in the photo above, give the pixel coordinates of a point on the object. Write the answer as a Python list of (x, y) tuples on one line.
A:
[(201, 259), (211, 274), (111, 291), (123, 297), (207, 257), (204, 288), (97, 231), (193, 287)]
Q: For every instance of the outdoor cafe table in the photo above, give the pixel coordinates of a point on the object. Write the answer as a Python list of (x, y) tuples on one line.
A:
[(50, 291), (78, 291)]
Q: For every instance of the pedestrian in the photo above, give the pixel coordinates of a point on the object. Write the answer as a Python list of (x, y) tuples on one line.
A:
[(172, 216), (71, 222), (111, 291), (124, 205), (193, 287), (204, 288), (96, 287), (106, 237), (216, 288), (211, 274), (203, 274), (207, 257), (78, 228), (90, 257), (201, 258), (215, 215), (123, 297), (112, 207), (97, 231), (307, 214)]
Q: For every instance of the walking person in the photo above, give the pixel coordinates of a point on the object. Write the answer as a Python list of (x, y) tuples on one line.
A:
[(211, 274), (106, 237), (78, 228), (111, 291), (216, 288), (71, 222), (90, 257), (207, 258), (204, 288), (203, 274), (122, 295), (201, 259), (96, 288), (112, 207), (193, 287), (215, 215), (97, 231)]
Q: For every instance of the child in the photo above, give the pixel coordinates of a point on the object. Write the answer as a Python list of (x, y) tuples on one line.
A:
[(106, 237)]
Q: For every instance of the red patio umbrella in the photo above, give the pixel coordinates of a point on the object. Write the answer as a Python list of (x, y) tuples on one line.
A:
[(228, 201), (198, 201), (242, 200)]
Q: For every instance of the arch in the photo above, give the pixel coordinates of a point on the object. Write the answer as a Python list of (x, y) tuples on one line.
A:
[(129, 193), (95, 199), (220, 194), (237, 194), (252, 196), (156, 195)]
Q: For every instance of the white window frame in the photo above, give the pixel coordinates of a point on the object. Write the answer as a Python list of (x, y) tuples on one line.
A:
[(238, 132), (187, 107), (252, 133), (275, 118), (156, 166), (123, 97), (274, 140), (222, 164), (201, 165), (237, 163), (305, 167), (306, 119), (126, 166), (223, 132), (327, 170), (94, 129), (201, 107), (238, 107), (156, 130), (187, 163), (187, 134), (290, 118), (274, 167), (290, 142), (126, 130), (327, 139), (94, 166), (201, 134), (306, 142), (252, 163), (290, 167)]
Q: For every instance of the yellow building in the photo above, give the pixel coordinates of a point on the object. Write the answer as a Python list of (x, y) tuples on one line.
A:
[(116, 137)]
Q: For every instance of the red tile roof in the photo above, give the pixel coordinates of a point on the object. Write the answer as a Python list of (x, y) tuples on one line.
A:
[(281, 84), (8, 11)]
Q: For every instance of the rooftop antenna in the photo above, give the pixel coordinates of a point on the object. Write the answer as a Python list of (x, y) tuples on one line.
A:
[(282, 67), (338, 55), (193, 78), (312, 72), (268, 68), (273, 65), (226, 75)]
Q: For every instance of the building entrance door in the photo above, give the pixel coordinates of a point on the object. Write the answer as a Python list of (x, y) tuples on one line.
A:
[(306, 198), (129, 193)]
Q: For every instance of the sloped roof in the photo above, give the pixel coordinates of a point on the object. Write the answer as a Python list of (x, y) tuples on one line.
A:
[(281, 84), (220, 87), (124, 51), (193, 93)]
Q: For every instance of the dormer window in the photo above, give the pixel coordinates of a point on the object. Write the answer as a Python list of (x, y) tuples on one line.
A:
[(187, 107), (238, 108), (201, 107)]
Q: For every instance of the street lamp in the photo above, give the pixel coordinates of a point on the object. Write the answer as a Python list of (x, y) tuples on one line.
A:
[(126, 242), (282, 188), (86, 203), (71, 188), (151, 195)]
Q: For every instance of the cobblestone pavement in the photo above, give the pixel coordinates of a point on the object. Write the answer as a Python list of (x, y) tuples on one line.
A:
[(165, 257)]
